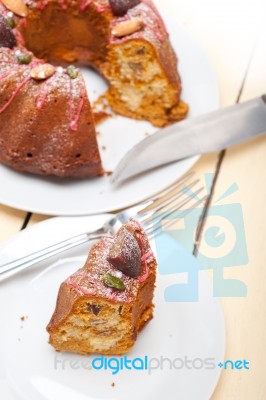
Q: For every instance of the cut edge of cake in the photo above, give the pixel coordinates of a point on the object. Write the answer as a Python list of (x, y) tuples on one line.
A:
[(91, 317)]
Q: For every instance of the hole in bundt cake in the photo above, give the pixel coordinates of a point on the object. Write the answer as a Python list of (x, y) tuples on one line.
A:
[(130, 61)]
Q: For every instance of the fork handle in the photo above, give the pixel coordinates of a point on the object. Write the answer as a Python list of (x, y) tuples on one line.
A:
[(20, 264)]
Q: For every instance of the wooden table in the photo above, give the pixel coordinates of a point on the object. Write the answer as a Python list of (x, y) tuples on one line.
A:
[(233, 34)]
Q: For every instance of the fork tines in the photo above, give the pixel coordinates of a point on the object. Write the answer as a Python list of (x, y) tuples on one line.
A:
[(171, 205)]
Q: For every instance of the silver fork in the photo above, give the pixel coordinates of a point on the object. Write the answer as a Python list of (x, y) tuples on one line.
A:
[(149, 213)]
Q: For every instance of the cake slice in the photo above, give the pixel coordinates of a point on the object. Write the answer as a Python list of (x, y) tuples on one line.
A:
[(103, 306)]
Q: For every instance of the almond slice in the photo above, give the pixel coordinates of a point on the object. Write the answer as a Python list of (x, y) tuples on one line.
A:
[(127, 27), (16, 6), (42, 72)]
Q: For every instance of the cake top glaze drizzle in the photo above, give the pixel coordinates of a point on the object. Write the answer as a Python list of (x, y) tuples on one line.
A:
[(73, 86), (152, 29), (88, 280)]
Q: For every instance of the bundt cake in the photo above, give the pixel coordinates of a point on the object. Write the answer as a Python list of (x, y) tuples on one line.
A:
[(103, 306), (46, 121)]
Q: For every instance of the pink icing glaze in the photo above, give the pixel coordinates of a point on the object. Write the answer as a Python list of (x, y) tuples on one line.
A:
[(63, 4), (150, 4), (71, 106), (156, 32), (84, 4), (7, 73), (42, 4), (19, 37), (42, 95), (89, 278), (16, 68), (24, 22), (82, 289), (3, 9), (74, 119), (113, 295), (147, 256), (138, 224), (102, 8), (35, 63), (74, 122), (19, 87), (154, 26), (142, 278), (8, 62), (75, 281)]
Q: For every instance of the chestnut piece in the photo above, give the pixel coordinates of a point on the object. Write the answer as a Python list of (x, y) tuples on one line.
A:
[(7, 37), (125, 253), (94, 309), (121, 7)]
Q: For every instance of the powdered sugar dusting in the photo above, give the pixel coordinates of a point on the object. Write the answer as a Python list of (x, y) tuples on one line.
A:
[(77, 93), (59, 82), (154, 29), (88, 280)]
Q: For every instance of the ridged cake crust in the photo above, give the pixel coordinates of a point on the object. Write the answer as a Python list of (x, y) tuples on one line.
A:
[(92, 318), (45, 132), (47, 126)]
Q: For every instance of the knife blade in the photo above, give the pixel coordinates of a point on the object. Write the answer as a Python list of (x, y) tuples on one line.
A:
[(206, 133)]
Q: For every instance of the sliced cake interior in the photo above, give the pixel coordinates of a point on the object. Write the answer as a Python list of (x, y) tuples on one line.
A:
[(103, 306)]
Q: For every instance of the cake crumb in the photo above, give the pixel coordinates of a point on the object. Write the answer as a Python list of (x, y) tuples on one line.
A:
[(113, 384), (22, 319), (100, 116), (101, 109), (146, 134), (108, 173), (103, 147)]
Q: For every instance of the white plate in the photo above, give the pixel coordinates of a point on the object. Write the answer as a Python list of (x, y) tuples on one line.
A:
[(28, 361), (118, 135)]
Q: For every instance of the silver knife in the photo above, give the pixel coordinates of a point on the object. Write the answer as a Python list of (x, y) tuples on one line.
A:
[(203, 134)]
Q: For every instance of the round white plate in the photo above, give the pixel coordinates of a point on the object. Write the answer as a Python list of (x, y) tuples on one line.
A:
[(116, 136), (35, 371)]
